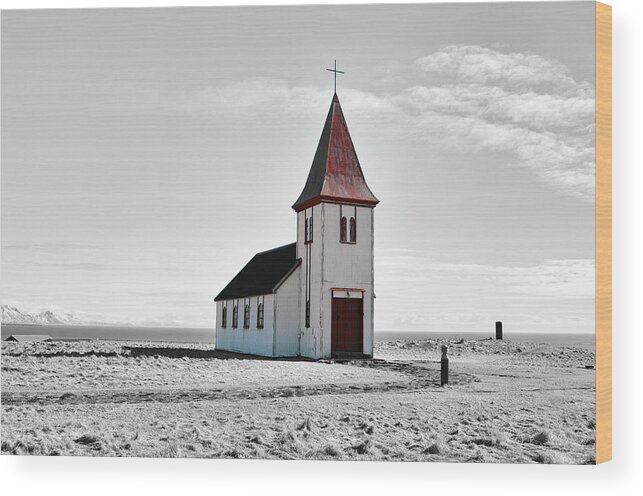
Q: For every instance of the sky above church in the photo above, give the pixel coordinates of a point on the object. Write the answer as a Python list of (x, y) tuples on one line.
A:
[(147, 154)]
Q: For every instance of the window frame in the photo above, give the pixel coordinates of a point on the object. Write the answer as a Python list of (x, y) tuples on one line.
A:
[(308, 228), (342, 229), (260, 314), (246, 314), (224, 315), (348, 226), (235, 315), (352, 229)]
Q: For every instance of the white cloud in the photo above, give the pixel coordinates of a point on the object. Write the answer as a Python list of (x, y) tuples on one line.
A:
[(471, 98), (520, 104), (515, 71)]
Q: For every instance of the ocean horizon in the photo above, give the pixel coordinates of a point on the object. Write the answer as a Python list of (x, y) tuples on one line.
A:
[(207, 335)]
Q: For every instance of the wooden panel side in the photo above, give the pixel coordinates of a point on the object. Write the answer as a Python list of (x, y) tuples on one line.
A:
[(603, 232)]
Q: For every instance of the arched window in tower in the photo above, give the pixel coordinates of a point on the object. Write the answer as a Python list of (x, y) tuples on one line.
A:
[(235, 314), (342, 229), (353, 230), (224, 315)]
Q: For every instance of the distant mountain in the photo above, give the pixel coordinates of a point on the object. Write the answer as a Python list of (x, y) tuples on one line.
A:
[(13, 315)]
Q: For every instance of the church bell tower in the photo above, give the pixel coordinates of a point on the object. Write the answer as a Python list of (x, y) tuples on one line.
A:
[(335, 243)]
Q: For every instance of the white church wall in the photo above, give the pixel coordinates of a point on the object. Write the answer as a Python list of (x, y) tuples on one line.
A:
[(252, 340), (311, 337), (347, 265), (288, 316), (300, 235), (347, 262), (334, 265)]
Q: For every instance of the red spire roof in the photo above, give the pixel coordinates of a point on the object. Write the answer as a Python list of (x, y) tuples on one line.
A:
[(335, 174)]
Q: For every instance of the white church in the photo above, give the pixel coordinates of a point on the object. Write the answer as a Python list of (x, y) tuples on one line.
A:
[(312, 298)]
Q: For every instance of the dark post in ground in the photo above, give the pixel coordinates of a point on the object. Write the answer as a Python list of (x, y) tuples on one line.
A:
[(498, 330), (444, 367)]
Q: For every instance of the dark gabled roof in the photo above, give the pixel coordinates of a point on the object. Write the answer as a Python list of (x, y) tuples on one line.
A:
[(335, 174), (28, 338), (263, 274)]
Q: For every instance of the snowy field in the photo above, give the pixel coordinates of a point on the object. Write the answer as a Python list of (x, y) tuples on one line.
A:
[(506, 402)]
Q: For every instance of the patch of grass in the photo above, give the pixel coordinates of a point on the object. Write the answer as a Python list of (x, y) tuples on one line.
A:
[(434, 449), (481, 441), (332, 451), (90, 441), (256, 440), (305, 425), (369, 429), (20, 448), (590, 441), (288, 443), (550, 458), (541, 438), (175, 451), (363, 447), (498, 437)]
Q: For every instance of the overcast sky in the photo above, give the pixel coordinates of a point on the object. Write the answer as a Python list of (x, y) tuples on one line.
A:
[(147, 154)]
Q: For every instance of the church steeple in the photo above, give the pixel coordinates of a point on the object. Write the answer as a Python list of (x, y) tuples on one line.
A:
[(335, 174)]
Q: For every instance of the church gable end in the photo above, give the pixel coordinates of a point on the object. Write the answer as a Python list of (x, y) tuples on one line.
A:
[(262, 274)]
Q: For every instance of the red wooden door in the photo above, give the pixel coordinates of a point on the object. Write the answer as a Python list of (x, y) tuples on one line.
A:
[(347, 332)]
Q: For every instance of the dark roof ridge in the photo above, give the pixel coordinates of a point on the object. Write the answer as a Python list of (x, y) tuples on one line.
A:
[(275, 249), (263, 274)]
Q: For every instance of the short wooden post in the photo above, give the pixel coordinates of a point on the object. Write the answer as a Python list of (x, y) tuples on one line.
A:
[(444, 367), (498, 330)]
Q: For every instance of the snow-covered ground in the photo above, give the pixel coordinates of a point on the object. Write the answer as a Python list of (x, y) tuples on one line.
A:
[(506, 402)]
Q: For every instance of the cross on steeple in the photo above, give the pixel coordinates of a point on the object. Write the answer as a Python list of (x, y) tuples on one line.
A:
[(336, 72)]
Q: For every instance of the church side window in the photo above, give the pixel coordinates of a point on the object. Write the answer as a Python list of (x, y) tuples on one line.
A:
[(235, 315), (342, 229), (308, 229), (353, 230), (224, 315), (246, 314), (259, 314), (307, 313)]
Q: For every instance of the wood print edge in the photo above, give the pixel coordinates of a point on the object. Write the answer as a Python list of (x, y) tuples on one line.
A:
[(603, 232)]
